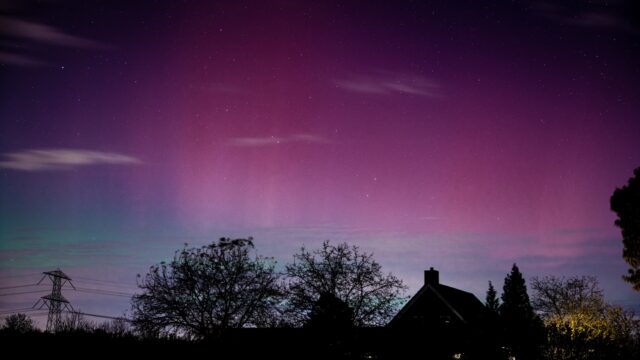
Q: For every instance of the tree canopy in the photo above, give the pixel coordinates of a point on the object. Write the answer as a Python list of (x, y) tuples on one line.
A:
[(556, 297), (515, 299), (329, 312), (208, 289), (522, 327), (18, 323), (580, 324), (491, 302), (625, 202), (347, 274)]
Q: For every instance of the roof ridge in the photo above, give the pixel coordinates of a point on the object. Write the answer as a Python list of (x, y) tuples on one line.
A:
[(456, 289), (444, 300)]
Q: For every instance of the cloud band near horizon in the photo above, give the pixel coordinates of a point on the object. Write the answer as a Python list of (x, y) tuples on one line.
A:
[(61, 159)]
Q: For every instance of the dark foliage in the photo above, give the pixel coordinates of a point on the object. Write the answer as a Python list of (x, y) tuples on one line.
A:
[(18, 323), (347, 274), (580, 324), (625, 202), (523, 329), (330, 313), (556, 297), (491, 302), (204, 291)]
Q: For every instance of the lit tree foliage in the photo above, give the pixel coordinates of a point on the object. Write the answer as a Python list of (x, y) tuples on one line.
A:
[(579, 324), (556, 297)]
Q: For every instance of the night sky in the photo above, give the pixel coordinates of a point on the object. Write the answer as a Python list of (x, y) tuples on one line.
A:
[(463, 135)]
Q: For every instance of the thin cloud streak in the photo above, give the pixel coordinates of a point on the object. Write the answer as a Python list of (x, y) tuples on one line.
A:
[(19, 60), (276, 140), (61, 159), (14, 27), (596, 17), (388, 83)]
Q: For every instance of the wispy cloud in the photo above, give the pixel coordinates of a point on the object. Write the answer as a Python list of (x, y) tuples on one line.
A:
[(18, 28), (277, 140), (19, 60), (29, 33), (591, 15), (386, 83), (61, 159), (602, 20)]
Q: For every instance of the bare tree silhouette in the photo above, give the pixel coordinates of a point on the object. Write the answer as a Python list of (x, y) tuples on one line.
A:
[(206, 290), (346, 274)]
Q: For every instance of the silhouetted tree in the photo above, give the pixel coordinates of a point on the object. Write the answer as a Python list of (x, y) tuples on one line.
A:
[(625, 202), (18, 323), (556, 297), (347, 274), (488, 340), (523, 331), (579, 324), (329, 312), (491, 302), (203, 291), (331, 323), (117, 327), (75, 322)]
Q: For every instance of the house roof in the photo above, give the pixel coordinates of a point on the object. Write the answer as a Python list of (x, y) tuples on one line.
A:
[(464, 305)]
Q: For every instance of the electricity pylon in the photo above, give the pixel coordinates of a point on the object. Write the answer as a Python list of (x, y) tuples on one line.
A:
[(55, 302)]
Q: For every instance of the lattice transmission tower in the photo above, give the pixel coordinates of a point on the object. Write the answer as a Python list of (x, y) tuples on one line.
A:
[(55, 302)]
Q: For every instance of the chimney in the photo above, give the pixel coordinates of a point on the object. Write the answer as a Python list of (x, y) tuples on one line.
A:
[(431, 277)]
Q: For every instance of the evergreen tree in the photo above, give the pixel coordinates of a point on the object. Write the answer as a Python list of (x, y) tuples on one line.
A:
[(492, 303), (523, 329), (490, 340), (515, 300)]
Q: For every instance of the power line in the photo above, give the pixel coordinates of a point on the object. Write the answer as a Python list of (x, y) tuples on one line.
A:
[(39, 313), (22, 310), (104, 292), (17, 286), (8, 311), (4, 313), (24, 292), (79, 289), (56, 303), (117, 283), (45, 312), (104, 316), (108, 287), (19, 275)]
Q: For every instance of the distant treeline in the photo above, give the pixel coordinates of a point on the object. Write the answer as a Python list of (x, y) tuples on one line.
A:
[(224, 301)]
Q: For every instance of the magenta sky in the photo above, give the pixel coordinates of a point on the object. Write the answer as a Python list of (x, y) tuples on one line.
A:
[(461, 135)]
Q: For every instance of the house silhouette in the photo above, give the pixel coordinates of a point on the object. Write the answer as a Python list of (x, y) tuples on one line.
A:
[(445, 320), (437, 305)]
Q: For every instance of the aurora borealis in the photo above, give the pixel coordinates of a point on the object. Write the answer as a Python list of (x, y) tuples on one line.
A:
[(463, 135)]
